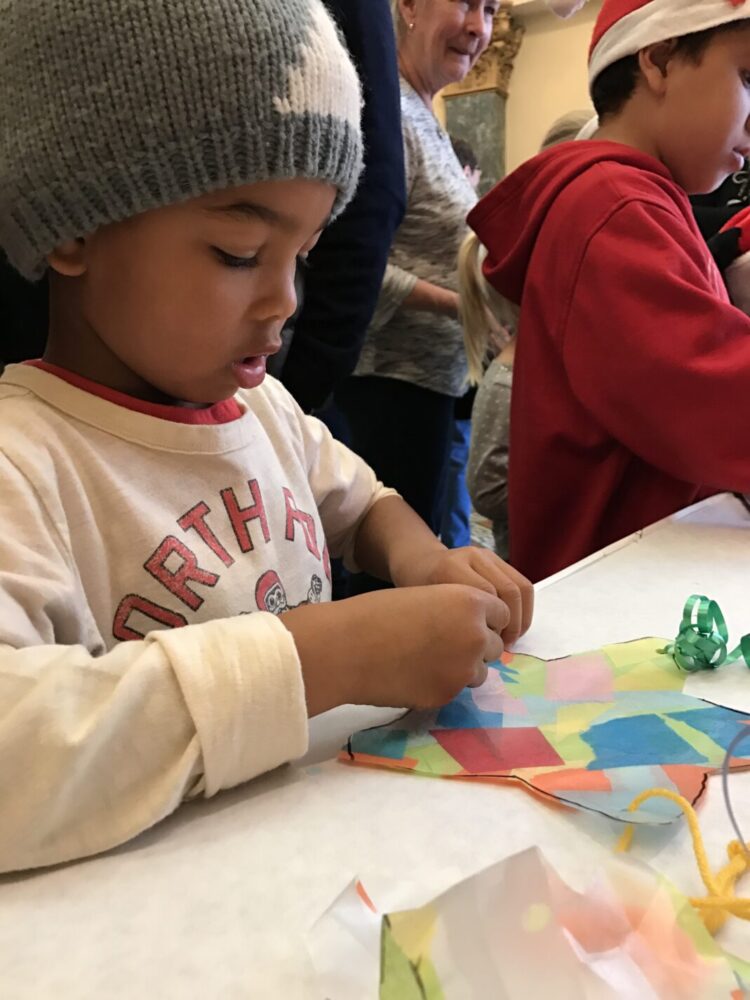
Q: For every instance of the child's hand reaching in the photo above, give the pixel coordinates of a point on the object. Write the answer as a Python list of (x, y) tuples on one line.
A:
[(396, 545), (416, 647), (480, 568), (419, 645)]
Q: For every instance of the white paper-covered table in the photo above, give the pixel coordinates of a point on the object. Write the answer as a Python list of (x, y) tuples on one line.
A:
[(217, 900)]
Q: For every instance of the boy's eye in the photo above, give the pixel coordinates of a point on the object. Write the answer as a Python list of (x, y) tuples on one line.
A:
[(745, 74), (230, 260)]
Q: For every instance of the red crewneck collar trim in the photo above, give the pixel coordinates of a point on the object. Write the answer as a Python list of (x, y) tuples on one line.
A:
[(223, 412)]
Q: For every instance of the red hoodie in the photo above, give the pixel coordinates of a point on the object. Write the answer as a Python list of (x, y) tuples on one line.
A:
[(631, 386)]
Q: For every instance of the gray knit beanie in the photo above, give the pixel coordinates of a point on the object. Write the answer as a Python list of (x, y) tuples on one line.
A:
[(112, 107)]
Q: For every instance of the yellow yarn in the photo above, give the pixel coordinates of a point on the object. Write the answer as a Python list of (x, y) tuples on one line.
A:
[(720, 903)]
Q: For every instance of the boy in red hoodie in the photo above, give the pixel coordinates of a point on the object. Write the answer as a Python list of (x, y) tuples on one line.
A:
[(631, 391)]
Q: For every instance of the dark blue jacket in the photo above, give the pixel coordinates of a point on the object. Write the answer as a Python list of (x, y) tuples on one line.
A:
[(347, 265), (24, 315)]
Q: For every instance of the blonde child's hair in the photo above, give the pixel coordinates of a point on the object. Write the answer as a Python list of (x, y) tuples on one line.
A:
[(480, 303), (565, 129)]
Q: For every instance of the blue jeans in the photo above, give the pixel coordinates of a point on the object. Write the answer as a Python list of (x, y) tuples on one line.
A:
[(455, 529)]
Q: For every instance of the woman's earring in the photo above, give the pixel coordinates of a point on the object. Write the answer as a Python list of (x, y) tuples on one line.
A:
[(411, 26)]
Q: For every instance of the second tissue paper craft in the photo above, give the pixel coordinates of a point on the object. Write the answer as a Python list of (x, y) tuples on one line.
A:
[(517, 930), (592, 730)]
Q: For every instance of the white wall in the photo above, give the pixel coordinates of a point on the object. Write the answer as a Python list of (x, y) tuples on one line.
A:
[(549, 78)]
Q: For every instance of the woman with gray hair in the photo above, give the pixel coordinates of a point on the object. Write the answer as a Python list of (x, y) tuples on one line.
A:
[(399, 402)]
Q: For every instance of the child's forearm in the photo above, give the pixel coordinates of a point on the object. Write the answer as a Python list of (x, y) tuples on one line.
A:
[(393, 543), (331, 641), (428, 297)]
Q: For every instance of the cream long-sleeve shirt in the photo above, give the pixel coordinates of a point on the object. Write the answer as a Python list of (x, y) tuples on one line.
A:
[(143, 563)]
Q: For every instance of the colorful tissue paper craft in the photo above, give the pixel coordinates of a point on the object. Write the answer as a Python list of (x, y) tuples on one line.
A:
[(592, 730), (631, 935)]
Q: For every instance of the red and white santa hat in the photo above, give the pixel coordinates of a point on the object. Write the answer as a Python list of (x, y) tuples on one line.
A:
[(624, 27)]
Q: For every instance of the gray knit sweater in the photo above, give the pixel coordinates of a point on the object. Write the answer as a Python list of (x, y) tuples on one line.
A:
[(487, 469), (421, 347)]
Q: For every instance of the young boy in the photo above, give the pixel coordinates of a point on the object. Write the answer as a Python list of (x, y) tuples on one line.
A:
[(631, 386), (168, 163)]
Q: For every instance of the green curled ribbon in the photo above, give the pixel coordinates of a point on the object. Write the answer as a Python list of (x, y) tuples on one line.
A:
[(702, 641)]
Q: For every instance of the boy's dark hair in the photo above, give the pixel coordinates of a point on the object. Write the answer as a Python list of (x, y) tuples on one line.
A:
[(465, 154), (615, 85)]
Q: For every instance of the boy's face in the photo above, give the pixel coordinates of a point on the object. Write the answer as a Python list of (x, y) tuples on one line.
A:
[(704, 134), (186, 302)]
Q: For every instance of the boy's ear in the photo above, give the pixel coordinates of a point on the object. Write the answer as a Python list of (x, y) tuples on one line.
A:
[(654, 63), (69, 259)]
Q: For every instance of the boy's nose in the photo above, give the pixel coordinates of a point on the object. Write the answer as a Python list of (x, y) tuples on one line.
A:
[(279, 298)]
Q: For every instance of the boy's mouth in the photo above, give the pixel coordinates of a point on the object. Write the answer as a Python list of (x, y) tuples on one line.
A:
[(250, 371)]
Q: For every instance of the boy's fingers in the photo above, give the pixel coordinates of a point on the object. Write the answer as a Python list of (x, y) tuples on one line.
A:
[(498, 617), (480, 582), (513, 588), (480, 676), (512, 597), (510, 594), (493, 650), (526, 590), (494, 647)]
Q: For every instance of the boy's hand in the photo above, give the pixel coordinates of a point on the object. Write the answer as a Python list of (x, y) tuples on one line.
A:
[(434, 642), (417, 647), (393, 543), (480, 568)]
